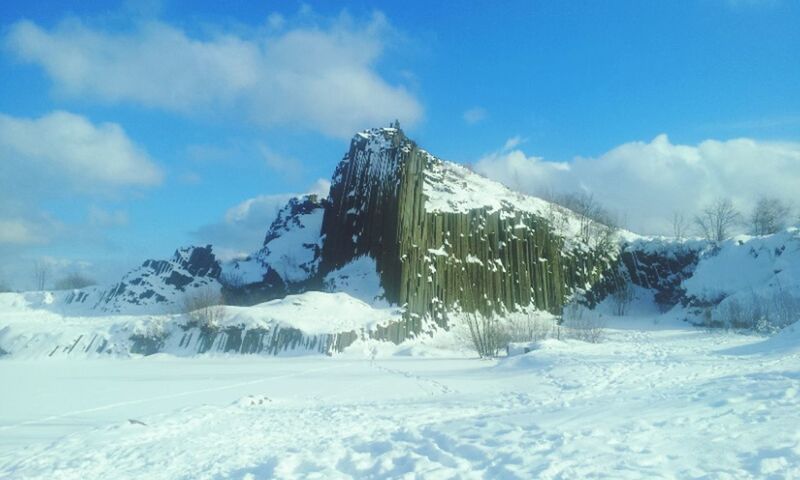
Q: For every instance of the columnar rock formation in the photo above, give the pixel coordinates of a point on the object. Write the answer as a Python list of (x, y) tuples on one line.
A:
[(444, 237), (441, 238)]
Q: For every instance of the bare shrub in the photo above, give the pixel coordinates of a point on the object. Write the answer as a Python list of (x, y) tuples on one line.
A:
[(41, 273), (527, 328), (716, 220), (486, 334), (769, 216), (74, 280), (596, 224), (204, 307), (785, 309), (758, 313), (580, 326), (680, 225), (232, 279), (622, 297)]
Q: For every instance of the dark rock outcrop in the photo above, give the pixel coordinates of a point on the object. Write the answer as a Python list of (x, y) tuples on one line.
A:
[(159, 284), (288, 260), (440, 242)]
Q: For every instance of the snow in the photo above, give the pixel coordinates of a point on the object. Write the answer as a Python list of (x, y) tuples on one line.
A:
[(450, 187), (747, 265), (314, 313), (289, 254), (27, 331), (248, 270), (359, 278), (656, 399)]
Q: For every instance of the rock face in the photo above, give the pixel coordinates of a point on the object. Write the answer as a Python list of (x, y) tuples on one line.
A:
[(288, 260), (400, 226), (443, 237), (157, 285), (662, 267)]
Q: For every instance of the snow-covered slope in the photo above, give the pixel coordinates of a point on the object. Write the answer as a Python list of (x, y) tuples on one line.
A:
[(157, 286), (662, 401), (289, 256), (744, 282), (312, 322)]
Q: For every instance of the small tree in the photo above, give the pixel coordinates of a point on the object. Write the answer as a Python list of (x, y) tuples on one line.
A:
[(596, 224), (716, 220), (204, 307), (622, 297), (769, 216), (486, 333), (578, 325), (680, 225), (73, 281), (41, 273)]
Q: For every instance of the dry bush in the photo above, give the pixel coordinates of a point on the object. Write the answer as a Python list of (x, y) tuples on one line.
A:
[(769, 216), (527, 328), (716, 220), (622, 297), (204, 307), (232, 279), (758, 313), (580, 326), (486, 334)]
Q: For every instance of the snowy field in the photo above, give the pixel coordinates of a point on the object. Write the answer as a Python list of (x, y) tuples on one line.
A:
[(652, 401)]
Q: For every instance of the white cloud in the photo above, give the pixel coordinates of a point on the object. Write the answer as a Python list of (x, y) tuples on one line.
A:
[(317, 77), (512, 143), (243, 227), (82, 156), (645, 182), (19, 232), (474, 115)]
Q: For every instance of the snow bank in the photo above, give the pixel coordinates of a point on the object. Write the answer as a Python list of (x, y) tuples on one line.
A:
[(359, 279), (314, 313), (758, 265), (312, 322)]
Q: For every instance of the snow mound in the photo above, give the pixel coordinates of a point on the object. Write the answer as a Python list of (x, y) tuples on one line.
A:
[(312, 322), (749, 264), (314, 313), (785, 342), (359, 278)]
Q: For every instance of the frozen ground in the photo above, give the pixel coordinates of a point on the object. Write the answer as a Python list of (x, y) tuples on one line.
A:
[(652, 401)]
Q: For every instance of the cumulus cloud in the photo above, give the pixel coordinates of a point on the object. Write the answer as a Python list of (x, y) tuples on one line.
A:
[(474, 115), (645, 182), (321, 77), (82, 156), (243, 227), (19, 232)]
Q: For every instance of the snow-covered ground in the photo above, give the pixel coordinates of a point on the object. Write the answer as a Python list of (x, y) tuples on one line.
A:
[(655, 399)]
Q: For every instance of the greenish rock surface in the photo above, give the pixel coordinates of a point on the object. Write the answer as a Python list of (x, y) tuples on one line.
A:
[(444, 238)]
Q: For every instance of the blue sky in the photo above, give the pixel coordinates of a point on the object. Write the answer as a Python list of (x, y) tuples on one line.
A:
[(129, 129)]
